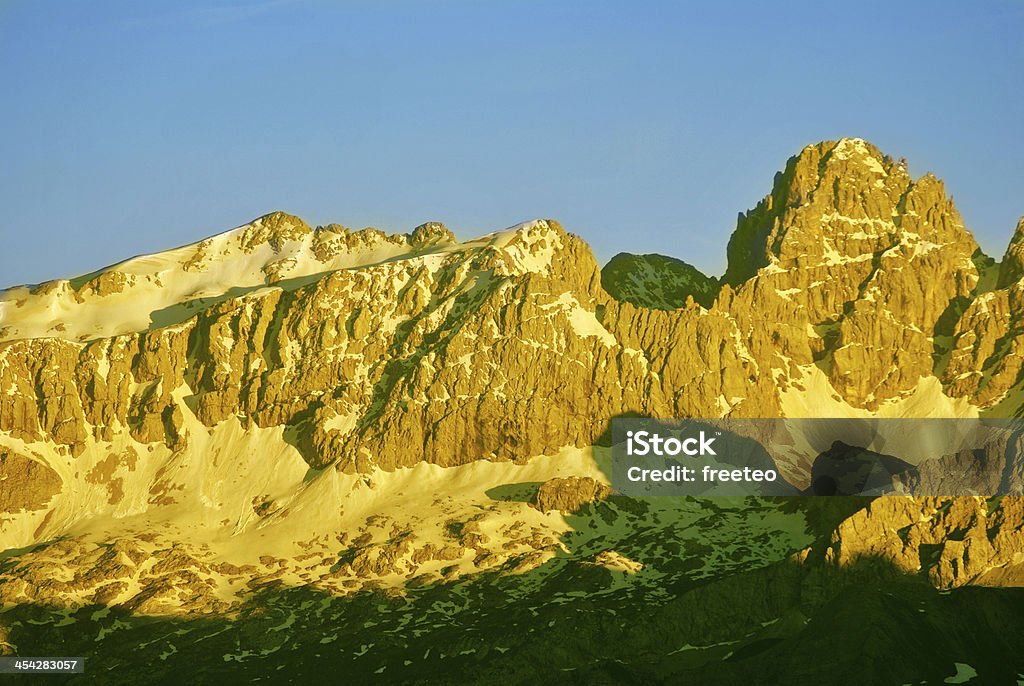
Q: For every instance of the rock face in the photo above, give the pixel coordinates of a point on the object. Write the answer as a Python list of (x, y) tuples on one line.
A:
[(285, 417), (987, 342), (444, 356), (27, 484), (570, 494), (1011, 270), (951, 542), (873, 259)]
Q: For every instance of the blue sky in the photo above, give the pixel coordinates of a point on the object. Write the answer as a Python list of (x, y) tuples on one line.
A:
[(645, 127)]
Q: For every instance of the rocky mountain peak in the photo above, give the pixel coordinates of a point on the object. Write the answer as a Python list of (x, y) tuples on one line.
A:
[(1012, 268), (431, 233), (274, 229), (842, 200), (872, 258), (540, 246)]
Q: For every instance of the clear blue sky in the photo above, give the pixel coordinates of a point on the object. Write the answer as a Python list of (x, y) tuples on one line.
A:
[(645, 127)]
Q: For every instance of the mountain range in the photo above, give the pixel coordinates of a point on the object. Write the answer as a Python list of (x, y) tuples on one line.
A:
[(300, 451)]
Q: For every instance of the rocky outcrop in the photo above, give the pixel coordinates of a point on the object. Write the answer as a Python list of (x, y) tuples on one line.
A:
[(431, 233), (109, 282), (25, 484), (951, 542), (274, 230), (570, 494)]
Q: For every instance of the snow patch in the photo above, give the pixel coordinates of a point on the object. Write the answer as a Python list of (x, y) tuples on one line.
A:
[(812, 395)]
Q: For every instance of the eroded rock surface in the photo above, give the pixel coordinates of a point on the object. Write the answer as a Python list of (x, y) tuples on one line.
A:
[(569, 494)]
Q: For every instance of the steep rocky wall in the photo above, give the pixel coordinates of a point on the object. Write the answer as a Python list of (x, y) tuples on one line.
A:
[(873, 258)]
